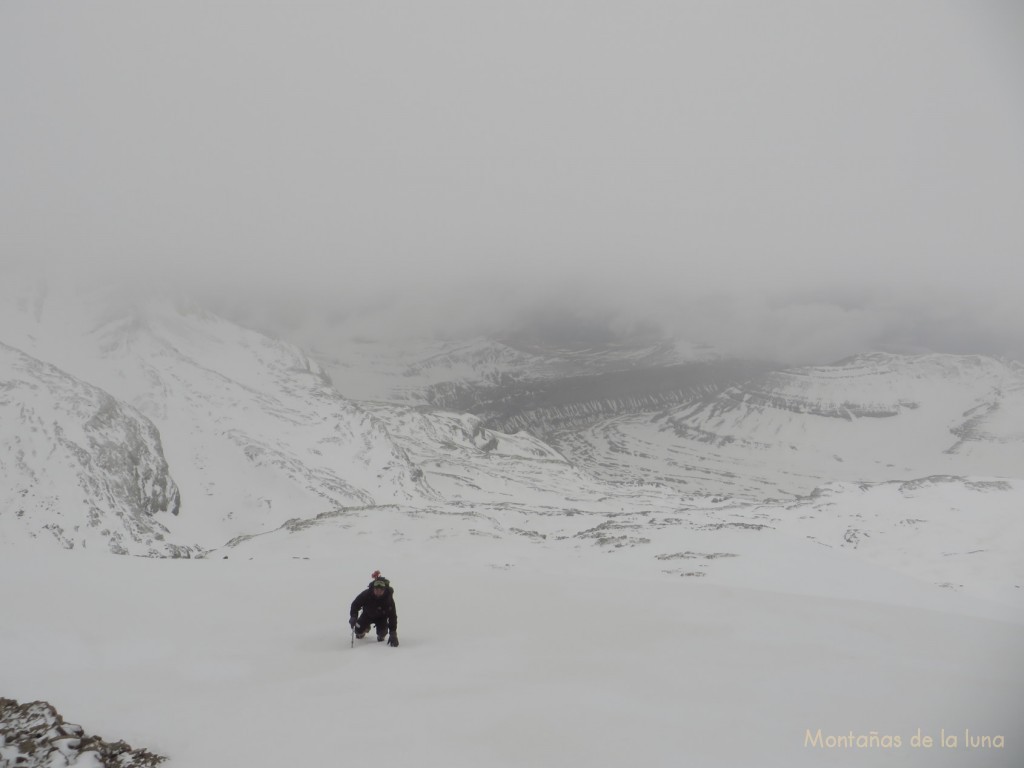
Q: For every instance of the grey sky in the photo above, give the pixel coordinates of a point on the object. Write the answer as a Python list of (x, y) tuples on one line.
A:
[(663, 150)]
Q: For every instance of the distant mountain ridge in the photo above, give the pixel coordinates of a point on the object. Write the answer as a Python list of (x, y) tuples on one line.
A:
[(954, 393), (513, 384), (871, 417)]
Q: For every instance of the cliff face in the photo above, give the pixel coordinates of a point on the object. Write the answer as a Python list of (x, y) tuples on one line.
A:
[(79, 467)]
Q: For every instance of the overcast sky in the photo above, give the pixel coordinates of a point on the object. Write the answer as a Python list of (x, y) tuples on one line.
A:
[(821, 163)]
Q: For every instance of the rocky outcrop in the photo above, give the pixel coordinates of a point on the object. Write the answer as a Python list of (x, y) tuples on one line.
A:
[(34, 735)]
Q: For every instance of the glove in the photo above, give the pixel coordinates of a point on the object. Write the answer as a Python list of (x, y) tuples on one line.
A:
[(352, 621), (393, 640)]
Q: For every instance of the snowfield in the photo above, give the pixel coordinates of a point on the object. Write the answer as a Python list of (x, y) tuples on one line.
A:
[(513, 652)]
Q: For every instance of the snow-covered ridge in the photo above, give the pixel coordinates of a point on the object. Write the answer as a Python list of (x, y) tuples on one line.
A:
[(941, 403), (878, 385), (869, 418)]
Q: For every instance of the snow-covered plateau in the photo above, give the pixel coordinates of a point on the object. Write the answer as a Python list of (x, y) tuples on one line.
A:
[(602, 555)]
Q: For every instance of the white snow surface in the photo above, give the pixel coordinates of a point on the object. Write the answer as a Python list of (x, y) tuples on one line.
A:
[(513, 652)]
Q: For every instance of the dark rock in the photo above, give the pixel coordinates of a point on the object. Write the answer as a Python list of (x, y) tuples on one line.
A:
[(34, 735)]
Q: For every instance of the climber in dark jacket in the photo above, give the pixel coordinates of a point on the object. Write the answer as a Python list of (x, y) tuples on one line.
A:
[(377, 603)]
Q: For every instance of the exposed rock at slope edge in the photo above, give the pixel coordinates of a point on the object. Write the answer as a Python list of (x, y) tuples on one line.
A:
[(34, 735)]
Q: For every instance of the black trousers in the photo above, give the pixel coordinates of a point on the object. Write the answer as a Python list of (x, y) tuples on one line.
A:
[(363, 625)]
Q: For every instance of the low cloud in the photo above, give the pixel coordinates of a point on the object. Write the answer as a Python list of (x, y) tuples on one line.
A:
[(707, 170)]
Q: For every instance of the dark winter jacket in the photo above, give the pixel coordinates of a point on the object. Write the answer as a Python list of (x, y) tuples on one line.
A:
[(375, 608)]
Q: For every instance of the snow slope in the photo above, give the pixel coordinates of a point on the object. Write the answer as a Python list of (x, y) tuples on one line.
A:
[(512, 653)]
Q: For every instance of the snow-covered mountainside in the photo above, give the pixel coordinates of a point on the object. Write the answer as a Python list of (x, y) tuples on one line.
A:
[(256, 434), (251, 428), (79, 467), (870, 418)]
